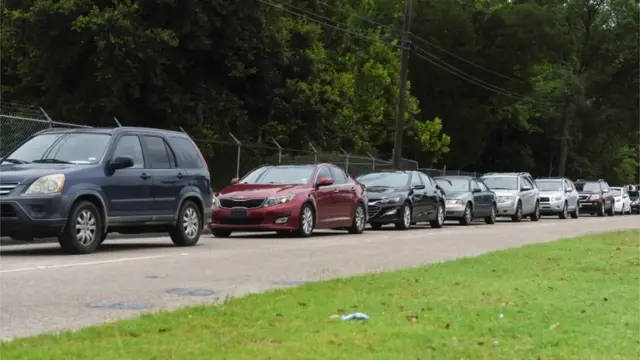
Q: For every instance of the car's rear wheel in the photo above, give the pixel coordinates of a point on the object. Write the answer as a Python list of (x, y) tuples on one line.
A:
[(187, 230), (82, 234), (517, 217), (491, 219), (221, 233), (612, 209), (467, 215), (306, 221), (536, 213), (565, 212), (359, 220), (576, 212), (438, 222), (406, 214)]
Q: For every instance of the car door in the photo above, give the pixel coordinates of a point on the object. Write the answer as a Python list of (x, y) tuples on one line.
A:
[(167, 180), (430, 196), (527, 196), (325, 199), (418, 197), (572, 194), (479, 200), (606, 194), (487, 197), (344, 196), (128, 191)]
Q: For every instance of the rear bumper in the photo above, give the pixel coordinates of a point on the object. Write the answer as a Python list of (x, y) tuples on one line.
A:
[(274, 219), (26, 218)]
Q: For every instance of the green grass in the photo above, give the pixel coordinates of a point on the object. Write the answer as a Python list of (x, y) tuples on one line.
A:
[(570, 299)]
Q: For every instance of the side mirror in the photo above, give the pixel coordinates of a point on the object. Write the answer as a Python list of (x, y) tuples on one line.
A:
[(121, 162), (525, 188), (605, 191), (476, 190), (568, 190), (235, 181), (325, 181), (418, 187)]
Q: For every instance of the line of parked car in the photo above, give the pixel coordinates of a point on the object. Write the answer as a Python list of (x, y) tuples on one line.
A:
[(79, 185)]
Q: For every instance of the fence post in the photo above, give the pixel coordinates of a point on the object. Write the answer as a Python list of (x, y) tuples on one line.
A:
[(373, 161), (444, 170), (279, 150), (239, 144), (346, 165), (47, 117), (120, 125), (315, 153)]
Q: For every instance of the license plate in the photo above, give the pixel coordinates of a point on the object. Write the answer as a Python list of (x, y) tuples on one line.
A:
[(238, 213)]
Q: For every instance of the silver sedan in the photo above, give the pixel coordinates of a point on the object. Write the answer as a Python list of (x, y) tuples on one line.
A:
[(467, 198)]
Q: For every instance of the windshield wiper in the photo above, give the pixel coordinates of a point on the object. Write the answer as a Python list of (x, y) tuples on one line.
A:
[(51, 161), (15, 161)]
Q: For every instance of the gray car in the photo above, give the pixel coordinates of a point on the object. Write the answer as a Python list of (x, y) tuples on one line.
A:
[(467, 198), (516, 194), (558, 196)]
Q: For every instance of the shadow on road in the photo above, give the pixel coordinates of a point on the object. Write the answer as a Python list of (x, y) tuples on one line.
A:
[(55, 250), (272, 235)]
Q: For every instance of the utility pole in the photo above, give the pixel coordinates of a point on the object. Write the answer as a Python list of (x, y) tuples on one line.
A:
[(404, 59)]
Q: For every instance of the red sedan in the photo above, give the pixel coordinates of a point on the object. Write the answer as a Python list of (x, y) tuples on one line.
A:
[(291, 199)]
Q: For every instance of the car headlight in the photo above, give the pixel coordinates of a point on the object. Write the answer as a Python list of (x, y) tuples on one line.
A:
[(454, 202), (557, 198), (279, 200), (504, 199), (594, 197), (214, 201), (392, 200), (48, 184)]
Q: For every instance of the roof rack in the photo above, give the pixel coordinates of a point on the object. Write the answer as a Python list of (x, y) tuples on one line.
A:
[(508, 173)]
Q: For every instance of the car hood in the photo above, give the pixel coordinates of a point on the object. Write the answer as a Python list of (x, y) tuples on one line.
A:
[(239, 191), (377, 193), (456, 194), (21, 172), (551, 194), (505, 192)]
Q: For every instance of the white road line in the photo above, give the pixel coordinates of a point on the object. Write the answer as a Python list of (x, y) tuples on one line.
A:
[(88, 263)]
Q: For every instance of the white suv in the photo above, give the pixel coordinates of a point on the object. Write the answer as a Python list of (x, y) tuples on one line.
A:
[(517, 195)]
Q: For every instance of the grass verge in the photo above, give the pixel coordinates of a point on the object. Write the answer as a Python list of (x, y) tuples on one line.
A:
[(570, 299)]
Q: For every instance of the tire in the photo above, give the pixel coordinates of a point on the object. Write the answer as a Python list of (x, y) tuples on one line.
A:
[(376, 226), (576, 212), (467, 216), (405, 217), (306, 221), (564, 214), (359, 220), (81, 234), (187, 229), (536, 213), (104, 237), (221, 233), (439, 220), (612, 210), (601, 212), (518, 215), (491, 219)]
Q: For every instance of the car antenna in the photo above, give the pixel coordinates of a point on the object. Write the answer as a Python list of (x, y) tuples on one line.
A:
[(117, 122)]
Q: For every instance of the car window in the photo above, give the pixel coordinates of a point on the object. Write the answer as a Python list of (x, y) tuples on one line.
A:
[(482, 186), (323, 173), (415, 180), (604, 186), (474, 185), (338, 175), (129, 146), (527, 182), (428, 181), (157, 154), (186, 152), (568, 185)]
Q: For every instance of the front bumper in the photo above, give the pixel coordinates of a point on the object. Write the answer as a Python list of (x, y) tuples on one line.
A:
[(506, 208), (383, 213), (29, 217), (454, 211), (263, 219), (590, 206), (551, 207)]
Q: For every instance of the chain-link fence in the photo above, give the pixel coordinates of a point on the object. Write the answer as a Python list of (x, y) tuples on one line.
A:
[(226, 159), (447, 172)]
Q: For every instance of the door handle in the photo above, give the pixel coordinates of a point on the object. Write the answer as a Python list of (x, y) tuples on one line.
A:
[(144, 176), (180, 176), (335, 190)]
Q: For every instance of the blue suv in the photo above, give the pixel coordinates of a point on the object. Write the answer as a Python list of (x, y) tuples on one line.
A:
[(80, 184)]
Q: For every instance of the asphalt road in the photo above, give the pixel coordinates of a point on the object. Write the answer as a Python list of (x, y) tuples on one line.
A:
[(43, 290)]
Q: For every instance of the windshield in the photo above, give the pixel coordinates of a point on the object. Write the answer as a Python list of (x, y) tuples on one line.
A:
[(633, 194), (453, 185), (588, 187), (501, 182), (616, 192), (279, 175), (384, 179), (549, 185), (76, 148)]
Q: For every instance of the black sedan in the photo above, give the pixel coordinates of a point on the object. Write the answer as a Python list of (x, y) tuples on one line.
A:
[(403, 198)]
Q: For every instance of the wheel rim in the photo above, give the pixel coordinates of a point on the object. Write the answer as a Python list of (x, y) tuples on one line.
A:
[(406, 216), (440, 215), (307, 220), (86, 227), (190, 223), (467, 214), (359, 218)]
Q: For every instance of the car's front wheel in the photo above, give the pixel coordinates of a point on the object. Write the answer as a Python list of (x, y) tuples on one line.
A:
[(438, 222), (82, 234), (186, 231), (491, 219), (467, 216), (406, 214), (306, 221), (359, 220)]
